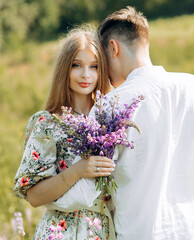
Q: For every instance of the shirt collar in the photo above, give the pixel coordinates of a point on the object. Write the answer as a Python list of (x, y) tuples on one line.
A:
[(140, 70)]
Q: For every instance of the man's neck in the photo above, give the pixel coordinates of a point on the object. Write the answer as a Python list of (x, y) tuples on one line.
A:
[(135, 58), (128, 67), (129, 59), (138, 60)]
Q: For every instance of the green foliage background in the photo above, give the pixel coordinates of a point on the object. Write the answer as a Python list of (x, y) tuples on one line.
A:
[(26, 65), (39, 20)]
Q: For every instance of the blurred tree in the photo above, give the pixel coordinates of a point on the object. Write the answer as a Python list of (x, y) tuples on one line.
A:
[(15, 18), (176, 7), (44, 19), (27, 19), (76, 12)]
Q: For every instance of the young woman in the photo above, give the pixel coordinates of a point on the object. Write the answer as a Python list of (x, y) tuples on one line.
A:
[(47, 170)]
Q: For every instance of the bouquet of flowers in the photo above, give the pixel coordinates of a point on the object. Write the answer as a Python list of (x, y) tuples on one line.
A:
[(87, 136)]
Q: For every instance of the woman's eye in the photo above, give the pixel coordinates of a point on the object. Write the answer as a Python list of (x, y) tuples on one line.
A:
[(75, 65), (94, 66)]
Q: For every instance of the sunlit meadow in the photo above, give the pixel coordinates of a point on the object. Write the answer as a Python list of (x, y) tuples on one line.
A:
[(25, 75)]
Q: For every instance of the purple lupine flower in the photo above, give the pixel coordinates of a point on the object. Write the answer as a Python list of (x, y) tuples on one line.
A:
[(87, 136)]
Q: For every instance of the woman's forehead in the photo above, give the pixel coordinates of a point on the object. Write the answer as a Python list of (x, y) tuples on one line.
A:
[(86, 53)]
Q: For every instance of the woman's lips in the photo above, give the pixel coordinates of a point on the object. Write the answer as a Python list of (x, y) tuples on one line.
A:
[(84, 84)]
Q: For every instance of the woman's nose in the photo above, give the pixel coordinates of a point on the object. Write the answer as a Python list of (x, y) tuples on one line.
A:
[(85, 73)]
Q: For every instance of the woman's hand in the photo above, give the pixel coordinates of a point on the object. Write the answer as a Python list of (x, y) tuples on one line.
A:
[(50, 189), (94, 166)]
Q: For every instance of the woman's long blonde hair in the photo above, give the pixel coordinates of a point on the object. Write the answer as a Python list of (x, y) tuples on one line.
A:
[(60, 92)]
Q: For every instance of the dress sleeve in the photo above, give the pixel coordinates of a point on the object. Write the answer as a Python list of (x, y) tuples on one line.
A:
[(39, 158), (80, 196)]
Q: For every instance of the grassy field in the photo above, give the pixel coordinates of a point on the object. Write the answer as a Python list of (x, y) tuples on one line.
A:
[(172, 43), (24, 82)]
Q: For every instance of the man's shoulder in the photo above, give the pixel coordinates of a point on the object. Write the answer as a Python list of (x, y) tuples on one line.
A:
[(181, 80), (153, 81), (181, 74)]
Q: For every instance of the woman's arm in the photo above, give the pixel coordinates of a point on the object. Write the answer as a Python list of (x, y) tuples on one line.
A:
[(50, 189)]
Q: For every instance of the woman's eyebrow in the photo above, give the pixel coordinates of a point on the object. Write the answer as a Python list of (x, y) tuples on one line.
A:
[(78, 60)]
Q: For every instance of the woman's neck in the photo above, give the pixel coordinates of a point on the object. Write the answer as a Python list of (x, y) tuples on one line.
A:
[(83, 104)]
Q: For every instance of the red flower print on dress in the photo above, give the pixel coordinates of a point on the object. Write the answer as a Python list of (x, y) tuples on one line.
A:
[(24, 181), (63, 224), (42, 119), (62, 164), (98, 238), (35, 155), (107, 197)]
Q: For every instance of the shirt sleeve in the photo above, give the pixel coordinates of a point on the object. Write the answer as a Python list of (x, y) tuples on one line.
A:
[(39, 156), (82, 194)]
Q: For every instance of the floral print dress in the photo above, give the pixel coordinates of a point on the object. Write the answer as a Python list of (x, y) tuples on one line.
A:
[(44, 156)]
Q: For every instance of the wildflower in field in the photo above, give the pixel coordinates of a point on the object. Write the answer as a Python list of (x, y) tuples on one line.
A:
[(19, 224)]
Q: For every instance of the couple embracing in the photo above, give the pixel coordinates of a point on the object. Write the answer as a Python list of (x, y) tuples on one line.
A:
[(155, 195)]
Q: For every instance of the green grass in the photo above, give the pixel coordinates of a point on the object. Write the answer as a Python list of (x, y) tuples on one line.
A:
[(172, 43), (24, 82)]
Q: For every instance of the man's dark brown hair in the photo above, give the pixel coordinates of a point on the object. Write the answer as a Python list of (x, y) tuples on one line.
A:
[(126, 25)]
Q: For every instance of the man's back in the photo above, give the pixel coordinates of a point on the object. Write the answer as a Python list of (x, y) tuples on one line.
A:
[(155, 195)]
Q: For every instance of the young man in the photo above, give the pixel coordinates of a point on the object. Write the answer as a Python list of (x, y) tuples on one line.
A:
[(155, 195)]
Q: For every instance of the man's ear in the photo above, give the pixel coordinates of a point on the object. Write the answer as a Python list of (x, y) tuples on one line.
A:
[(114, 47)]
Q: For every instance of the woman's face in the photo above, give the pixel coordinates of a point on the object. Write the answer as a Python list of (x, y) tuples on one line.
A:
[(84, 73)]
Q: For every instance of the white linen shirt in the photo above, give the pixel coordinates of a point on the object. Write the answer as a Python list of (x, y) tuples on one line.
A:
[(155, 194)]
